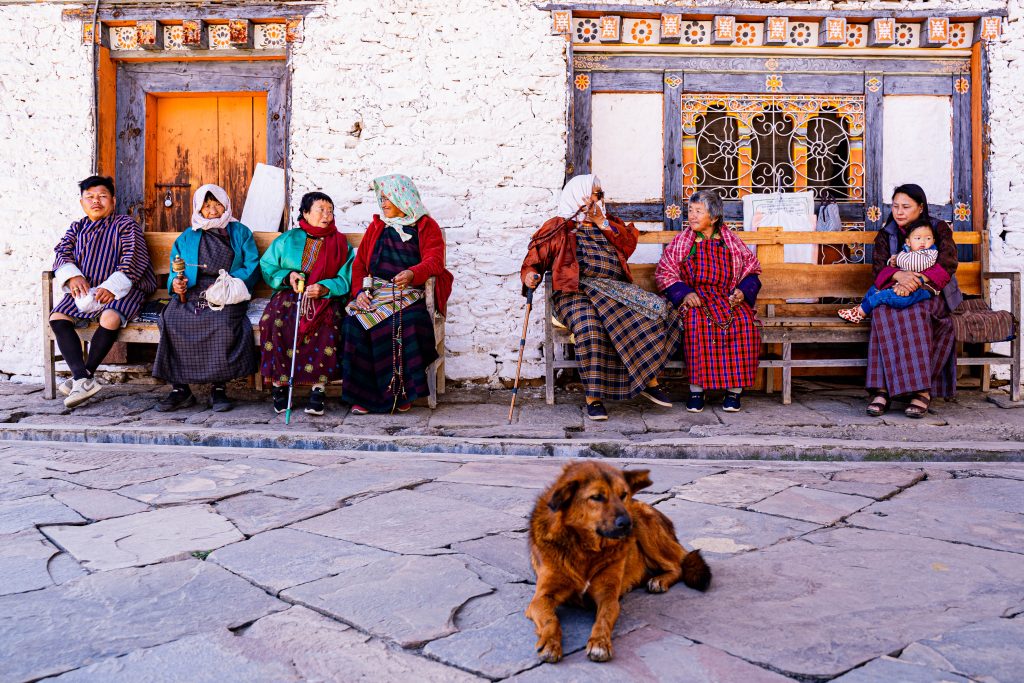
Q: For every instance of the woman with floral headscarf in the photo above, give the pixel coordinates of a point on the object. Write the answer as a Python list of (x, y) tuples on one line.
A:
[(388, 336), (200, 344), (623, 333)]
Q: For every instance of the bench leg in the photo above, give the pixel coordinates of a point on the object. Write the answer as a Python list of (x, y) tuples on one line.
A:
[(1015, 369), (986, 378), (432, 385), (769, 380), (787, 375), (49, 371)]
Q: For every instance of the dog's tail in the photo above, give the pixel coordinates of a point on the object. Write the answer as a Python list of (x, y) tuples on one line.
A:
[(696, 573)]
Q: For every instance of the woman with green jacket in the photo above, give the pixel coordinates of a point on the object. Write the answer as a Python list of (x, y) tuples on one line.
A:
[(318, 254)]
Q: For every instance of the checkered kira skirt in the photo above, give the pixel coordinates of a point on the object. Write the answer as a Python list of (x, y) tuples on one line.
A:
[(619, 349), (913, 349), (718, 358)]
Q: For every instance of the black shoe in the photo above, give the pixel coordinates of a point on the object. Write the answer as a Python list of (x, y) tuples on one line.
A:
[(178, 398), (596, 411), (280, 395), (731, 404), (219, 401), (656, 396), (316, 402), (695, 404)]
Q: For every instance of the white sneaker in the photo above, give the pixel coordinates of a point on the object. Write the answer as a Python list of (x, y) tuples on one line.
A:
[(65, 386), (81, 391)]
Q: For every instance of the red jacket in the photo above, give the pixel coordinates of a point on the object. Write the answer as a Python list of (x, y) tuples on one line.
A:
[(553, 248), (432, 255)]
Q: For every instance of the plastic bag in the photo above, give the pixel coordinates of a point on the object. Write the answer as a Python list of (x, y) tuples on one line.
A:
[(828, 218)]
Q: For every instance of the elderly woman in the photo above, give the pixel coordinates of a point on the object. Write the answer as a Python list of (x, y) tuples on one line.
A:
[(623, 334), (200, 343), (314, 255), (388, 334), (712, 277), (102, 265), (912, 351)]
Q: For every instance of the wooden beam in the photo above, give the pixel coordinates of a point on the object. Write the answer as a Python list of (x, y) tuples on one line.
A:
[(754, 14), (769, 236), (241, 34)]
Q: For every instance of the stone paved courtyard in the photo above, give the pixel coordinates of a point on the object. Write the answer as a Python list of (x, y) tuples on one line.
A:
[(182, 563)]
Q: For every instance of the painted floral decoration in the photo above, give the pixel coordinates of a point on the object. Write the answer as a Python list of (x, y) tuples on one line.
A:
[(771, 64), (904, 35), (746, 34), (587, 31), (874, 84), (961, 212), (582, 81), (773, 82), (957, 35), (800, 35), (694, 33), (672, 212), (854, 35), (873, 213), (642, 32), (220, 37), (962, 85), (673, 81)]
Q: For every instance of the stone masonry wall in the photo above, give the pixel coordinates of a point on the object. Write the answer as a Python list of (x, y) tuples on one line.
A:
[(468, 97)]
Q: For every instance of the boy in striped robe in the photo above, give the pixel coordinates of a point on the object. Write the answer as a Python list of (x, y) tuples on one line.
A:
[(102, 266)]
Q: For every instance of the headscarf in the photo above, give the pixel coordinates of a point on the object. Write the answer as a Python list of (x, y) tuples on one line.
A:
[(575, 194), (403, 194), (200, 223)]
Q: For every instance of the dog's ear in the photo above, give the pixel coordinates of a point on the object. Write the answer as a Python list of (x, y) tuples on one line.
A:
[(637, 479), (563, 494)]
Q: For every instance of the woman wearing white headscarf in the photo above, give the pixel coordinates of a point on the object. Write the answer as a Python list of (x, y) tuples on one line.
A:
[(200, 344), (623, 333)]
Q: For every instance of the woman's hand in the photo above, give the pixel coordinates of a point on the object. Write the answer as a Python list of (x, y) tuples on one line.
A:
[(908, 282), (532, 280), (316, 291), (180, 285), (293, 280), (594, 214), (403, 279), (103, 296), (692, 300), (736, 298), (78, 286), (363, 301)]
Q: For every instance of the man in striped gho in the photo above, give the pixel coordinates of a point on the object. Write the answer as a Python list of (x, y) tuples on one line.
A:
[(919, 254), (102, 266)]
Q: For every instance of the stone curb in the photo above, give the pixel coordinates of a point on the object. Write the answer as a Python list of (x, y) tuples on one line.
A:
[(742, 447)]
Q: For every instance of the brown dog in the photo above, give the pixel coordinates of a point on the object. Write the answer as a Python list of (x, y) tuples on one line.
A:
[(590, 539)]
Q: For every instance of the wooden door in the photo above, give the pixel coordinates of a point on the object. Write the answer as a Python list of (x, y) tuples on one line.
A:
[(198, 138)]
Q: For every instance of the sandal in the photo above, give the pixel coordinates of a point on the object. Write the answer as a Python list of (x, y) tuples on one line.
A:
[(852, 315), (919, 404), (879, 405)]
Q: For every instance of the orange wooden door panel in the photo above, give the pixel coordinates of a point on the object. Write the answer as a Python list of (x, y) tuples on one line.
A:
[(195, 139)]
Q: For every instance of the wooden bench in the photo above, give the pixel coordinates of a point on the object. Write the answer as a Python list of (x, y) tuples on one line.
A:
[(789, 324), (160, 244)]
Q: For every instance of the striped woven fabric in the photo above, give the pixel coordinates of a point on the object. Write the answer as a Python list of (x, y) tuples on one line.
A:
[(916, 261), (387, 300), (976, 323)]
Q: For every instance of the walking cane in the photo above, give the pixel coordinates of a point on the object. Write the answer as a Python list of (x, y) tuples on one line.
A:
[(295, 346), (522, 345)]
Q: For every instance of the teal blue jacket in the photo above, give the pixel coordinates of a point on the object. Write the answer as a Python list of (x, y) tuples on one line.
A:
[(245, 266), (284, 256)]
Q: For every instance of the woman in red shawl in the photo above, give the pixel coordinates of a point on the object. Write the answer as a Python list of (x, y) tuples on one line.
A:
[(712, 277), (319, 253)]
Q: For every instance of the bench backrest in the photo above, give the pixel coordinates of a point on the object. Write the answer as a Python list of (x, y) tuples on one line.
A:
[(160, 244), (781, 281)]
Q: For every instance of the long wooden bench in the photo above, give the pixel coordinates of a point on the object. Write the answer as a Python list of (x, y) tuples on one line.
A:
[(160, 244), (788, 324)]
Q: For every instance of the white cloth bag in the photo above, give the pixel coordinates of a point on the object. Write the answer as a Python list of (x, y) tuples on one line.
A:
[(225, 291)]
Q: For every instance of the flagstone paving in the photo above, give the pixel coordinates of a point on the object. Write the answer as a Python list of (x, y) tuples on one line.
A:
[(121, 563)]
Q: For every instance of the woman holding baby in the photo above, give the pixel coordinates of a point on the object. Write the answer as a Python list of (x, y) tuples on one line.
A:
[(912, 349)]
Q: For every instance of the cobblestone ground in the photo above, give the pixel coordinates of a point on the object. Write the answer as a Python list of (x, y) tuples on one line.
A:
[(127, 563)]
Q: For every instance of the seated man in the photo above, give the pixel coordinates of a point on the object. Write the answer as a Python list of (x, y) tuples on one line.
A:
[(103, 268)]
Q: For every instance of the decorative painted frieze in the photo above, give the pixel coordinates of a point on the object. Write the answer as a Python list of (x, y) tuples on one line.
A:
[(194, 35), (561, 22), (832, 32), (882, 32), (611, 29), (776, 31), (724, 32), (240, 34), (150, 35), (671, 28), (935, 32)]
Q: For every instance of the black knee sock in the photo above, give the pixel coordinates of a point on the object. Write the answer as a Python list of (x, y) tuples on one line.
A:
[(102, 341), (70, 346), (182, 387)]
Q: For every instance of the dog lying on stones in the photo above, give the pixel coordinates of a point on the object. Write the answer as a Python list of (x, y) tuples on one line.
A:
[(590, 541)]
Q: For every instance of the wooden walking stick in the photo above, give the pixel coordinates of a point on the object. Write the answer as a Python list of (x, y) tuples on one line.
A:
[(301, 285), (522, 346)]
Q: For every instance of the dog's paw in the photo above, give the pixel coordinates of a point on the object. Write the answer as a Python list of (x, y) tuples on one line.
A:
[(549, 650), (656, 586), (599, 649)]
